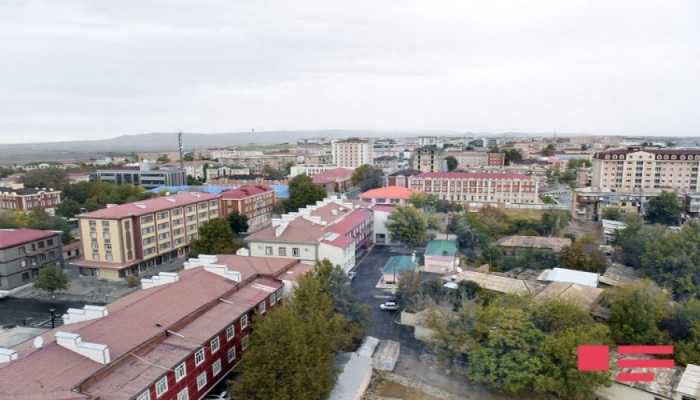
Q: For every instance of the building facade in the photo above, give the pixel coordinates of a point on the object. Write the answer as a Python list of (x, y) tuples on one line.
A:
[(650, 171), (24, 252), (131, 238), (428, 159), (19, 198), (334, 181), (352, 152), (310, 169), (146, 174), (477, 159), (477, 188), (390, 196), (400, 178), (254, 201)]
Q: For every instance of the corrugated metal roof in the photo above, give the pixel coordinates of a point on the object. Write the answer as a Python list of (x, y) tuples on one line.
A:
[(569, 275), (690, 381)]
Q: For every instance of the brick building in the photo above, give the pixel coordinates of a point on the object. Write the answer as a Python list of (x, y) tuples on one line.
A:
[(130, 238), (477, 188), (19, 198), (254, 201), (24, 252), (400, 178)]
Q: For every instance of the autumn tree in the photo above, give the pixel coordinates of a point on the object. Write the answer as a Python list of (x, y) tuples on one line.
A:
[(367, 177), (576, 257), (51, 279), (410, 226), (215, 237)]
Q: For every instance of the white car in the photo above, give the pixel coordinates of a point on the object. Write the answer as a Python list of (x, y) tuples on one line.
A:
[(389, 306), (352, 275)]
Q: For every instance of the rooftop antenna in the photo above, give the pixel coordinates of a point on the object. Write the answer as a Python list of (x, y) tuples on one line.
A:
[(179, 141)]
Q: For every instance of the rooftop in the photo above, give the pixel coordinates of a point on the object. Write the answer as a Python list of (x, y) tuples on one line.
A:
[(15, 237), (585, 296), (331, 175), (394, 192), (497, 283), (245, 191), (618, 275), (150, 206), (475, 175), (27, 191), (690, 381), (535, 242), (407, 172), (398, 264), (441, 248), (569, 275)]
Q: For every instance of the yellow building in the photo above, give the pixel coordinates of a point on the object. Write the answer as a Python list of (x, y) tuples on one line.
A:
[(131, 238)]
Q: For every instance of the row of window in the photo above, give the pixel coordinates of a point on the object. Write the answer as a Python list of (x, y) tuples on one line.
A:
[(22, 250), (281, 251)]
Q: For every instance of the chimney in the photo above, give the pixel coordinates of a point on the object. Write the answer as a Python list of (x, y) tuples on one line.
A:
[(413, 257), (87, 313), (94, 351), (243, 252), (7, 355), (163, 278), (222, 270)]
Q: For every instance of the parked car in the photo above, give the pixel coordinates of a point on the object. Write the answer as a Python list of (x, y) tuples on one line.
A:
[(352, 275), (389, 306)]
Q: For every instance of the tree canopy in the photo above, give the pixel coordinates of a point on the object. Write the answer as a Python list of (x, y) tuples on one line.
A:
[(575, 256), (303, 192), (635, 312), (409, 225), (47, 178), (100, 194), (68, 209), (664, 209), (452, 163), (238, 222), (51, 279), (512, 156), (367, 177), (215, 237)]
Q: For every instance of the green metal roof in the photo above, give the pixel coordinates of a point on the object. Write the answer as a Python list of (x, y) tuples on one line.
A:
[(441, 248), (401, 263)]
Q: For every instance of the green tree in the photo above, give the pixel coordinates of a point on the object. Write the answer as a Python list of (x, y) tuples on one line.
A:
[(452, 163), (238, 222), (215, 237), (192, 181), (162, 159), (408, 290), (51, 279), (422, 200), (549, 150), (635, 312), (552, 222), (664, 209), (46, 178), (68, 209), (612, 213), (410, 226), (681, 326), (575, 257), (568, 177), (303, 192), (188, 157), (512, 156), (91, 204), (367, 177)]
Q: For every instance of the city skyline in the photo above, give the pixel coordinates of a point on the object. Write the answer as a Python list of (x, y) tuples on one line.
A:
[(81, 71)]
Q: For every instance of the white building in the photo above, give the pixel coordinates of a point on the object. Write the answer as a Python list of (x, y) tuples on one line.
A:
[(310, 169), (352, 152)]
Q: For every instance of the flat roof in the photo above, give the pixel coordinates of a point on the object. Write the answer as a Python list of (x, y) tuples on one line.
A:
[(569, 275), (399, 264), (441, 248)]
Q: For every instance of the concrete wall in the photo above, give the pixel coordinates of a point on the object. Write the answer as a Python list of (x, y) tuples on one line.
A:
[(307, 252), (619, 391)]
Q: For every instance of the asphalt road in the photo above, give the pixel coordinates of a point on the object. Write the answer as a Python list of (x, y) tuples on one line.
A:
[(382, 324), (33, 313)]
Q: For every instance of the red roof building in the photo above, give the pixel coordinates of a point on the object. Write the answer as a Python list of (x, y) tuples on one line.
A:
[(24, 252), (254, 201), (390, 195), (171, 341), (337, 180), (19, 198)]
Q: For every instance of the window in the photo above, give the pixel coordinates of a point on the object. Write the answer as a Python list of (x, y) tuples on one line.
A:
[(244, 321), (162, 215), (50, 242), (261, 308), (273, 299), (144, 396), (161, 386), (232, 354), (199, 357), (215, 345), (282, 251), (229, 333), (201, 380), (268, 250), (244, 342), (216, 368), (22, 251), (183, 395), (180, 372), (146, 220)]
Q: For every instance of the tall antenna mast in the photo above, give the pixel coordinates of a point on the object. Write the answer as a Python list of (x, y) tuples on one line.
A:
[(179, 141)]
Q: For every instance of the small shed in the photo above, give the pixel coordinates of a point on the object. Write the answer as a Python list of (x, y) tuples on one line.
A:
[(395, 266), (441, 256), (386, 355)]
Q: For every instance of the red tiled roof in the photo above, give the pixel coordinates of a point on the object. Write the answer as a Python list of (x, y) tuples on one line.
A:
[(341, 241), (474, 175), (245, 191), (388, 192), (72, 246), (14, 237), (150, 205), (670, 152), (335, 173), (299, 230), (350, 222), (249, 266), (383, 208)]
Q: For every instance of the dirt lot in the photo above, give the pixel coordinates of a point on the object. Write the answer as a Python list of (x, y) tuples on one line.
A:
[(395, 390)]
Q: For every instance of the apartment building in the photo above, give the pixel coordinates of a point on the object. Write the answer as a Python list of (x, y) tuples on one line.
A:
[(477, 188), (332, 229), (24, 252), (146, 174), (131, 238), (19, 198), (176, 338), (254, 201), (334, 181), (352, 152), (310, 169), (634, 170), (400, 178), (477, 159), (428, 159)]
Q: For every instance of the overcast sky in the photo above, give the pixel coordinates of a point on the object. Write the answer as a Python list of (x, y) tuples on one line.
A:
[(73, 70)]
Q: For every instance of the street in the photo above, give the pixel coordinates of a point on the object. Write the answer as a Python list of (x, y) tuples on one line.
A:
[(33, 313)]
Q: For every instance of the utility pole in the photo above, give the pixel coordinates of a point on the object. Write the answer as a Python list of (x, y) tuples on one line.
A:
[(179, 140)]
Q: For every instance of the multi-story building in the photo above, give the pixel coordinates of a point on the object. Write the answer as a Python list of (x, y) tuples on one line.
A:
[(388, 163), (176, 338), (352, 152), (428, 159), (195, 168), (390, 196), (24, 252), (222, 171), (400, 178), (477, 159), (651, 171), (146, 174), (226, 153), (331, 229), (310, 169), (19, 198), (427, 141), (130, 238), (337, 180), (254, 201), (477, 188)]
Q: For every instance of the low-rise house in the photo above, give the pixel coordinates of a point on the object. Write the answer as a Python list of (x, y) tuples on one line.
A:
[(618, 275), (663, 387), (72, 250), (440, 256), (569, 276), (689, 386), (24, 252), (496, 283), (335, 181), (381, 215), (396, 266), (390, 195), (514, 245), (254, 201), (585, 296), (19, 198), (333, 229)]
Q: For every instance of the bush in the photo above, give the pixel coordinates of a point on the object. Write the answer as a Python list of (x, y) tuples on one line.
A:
[(132, 281)]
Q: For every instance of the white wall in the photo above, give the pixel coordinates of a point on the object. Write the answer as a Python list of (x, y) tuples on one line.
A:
[(343, 257), (380, 218), (307, 252), (619, 391)]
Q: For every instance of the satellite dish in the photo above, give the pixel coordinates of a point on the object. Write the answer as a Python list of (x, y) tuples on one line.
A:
[(459, 270), (38, 342)]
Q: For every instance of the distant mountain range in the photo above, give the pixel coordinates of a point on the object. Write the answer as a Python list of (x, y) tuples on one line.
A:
[(167, 142)]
